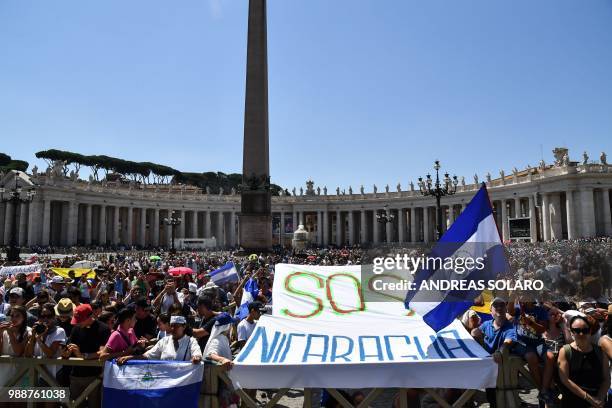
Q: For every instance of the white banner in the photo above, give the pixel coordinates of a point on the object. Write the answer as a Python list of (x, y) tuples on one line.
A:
[(14, 270), (324, 334)]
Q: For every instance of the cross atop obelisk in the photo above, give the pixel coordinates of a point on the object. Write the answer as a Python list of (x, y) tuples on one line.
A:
[(256, 204)]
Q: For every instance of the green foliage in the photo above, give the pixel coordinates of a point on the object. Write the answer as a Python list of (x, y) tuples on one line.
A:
[(4, 159), (7, 164), (144, 170)]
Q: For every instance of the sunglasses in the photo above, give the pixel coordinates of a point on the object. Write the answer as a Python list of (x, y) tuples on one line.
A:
[(46, 316), (580, 331)]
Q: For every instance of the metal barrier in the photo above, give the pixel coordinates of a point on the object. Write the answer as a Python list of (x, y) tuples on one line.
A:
[(35, 367), (506, 391)]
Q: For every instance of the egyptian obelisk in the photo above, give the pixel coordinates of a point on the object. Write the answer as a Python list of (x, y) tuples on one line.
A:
[(255, 217)]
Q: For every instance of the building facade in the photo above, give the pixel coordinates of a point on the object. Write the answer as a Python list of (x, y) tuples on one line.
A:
[(564, 200)]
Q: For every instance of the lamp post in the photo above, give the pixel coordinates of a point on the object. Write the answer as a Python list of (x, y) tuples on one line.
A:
[(438, 189), (173, 222), (16, 197), (385, 217)]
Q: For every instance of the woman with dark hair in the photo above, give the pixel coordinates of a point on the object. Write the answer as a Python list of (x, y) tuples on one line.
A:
[(108, 318), (14, 336), (123, 341), (47, 337), (583, 368)]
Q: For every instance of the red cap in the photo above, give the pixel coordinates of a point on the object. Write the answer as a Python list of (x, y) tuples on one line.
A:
[(81, 313)]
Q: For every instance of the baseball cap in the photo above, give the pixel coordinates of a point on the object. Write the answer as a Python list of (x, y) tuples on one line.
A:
[(57, 279), (64, 307), (498, 300), (16, 291), (81, 313), (193, 288), (178, 320)]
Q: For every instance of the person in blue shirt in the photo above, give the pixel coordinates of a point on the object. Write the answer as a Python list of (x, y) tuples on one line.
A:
[(495, 336), (498, 333), (531, 321)]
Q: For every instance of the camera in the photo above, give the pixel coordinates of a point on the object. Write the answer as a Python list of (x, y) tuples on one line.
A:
[(39, 328)]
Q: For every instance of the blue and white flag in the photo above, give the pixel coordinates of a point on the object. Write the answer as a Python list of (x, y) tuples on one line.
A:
[(226, 273), (474, 235), (152, 384), (249, 294)]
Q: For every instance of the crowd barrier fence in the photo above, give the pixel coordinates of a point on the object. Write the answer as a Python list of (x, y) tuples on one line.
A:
[(507, 395)]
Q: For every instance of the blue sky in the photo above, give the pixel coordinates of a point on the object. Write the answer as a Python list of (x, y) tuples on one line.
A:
[(361, 91)]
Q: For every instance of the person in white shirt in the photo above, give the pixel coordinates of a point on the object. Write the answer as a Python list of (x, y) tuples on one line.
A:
[(168, 297), (47, 343), (218, 346), (247, 325), (174, 347)]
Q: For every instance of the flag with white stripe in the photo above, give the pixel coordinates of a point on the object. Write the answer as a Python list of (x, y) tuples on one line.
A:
[(249, 294), (474, 234), (226, 273), (149, 384)]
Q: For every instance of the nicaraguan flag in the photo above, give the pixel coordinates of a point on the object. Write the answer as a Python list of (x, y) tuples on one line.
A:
[(226, 273), (149, 384), (474, 234), (249, 294)]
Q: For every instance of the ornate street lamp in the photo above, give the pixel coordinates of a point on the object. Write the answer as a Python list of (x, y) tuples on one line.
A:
[(438, 190), (173, 221), (385, 215), (16, 197)]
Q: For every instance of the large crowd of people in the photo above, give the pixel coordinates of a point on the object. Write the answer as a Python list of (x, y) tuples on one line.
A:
[(132, 307)]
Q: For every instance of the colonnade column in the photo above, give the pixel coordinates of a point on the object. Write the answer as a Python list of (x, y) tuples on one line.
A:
[(351, 228), (606, 212), (34, 223), (101, 229), (569, 214), (142, 236), (426, 237), (88, 223), (545, 217), (8, 221), (72, 223), (389, 228), (219, 232), (504, 221), (533, 229), (587, 212), (232, 231), (325, 228), (194, 224), (401, 224), (338, 228), (155, 228), (281, 229), (319, 227), (363, 236), (413, 225), (375, 228), (23, 223), (555, 216), (169, 230), (130, 226), (207, 221)]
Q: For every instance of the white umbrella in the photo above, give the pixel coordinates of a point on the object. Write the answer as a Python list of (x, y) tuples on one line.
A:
[(86, 264)]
